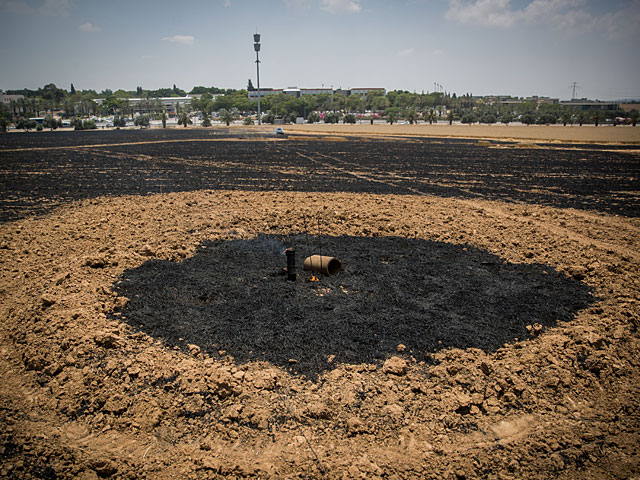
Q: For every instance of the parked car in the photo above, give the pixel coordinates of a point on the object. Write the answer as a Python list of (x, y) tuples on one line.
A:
[(279, 131)]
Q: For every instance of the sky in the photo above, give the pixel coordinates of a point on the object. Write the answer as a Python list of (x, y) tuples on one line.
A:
[(482, 47)]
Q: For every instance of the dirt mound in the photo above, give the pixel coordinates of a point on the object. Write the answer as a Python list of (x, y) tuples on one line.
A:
[(155, 337)]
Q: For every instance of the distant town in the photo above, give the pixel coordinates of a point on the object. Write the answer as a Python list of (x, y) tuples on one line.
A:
[(51, 107)]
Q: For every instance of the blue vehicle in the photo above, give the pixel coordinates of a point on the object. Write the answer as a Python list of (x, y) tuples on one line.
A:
[(279, 131)]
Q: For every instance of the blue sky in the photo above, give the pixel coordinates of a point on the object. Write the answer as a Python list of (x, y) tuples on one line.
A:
[(510, 47)]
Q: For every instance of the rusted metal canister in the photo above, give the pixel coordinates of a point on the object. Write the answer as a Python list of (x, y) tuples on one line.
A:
[(322, 264)]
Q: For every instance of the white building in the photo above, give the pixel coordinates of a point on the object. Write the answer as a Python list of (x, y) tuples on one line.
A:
[(7, 99)]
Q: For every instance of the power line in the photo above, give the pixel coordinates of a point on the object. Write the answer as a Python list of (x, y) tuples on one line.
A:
[(574, 86)]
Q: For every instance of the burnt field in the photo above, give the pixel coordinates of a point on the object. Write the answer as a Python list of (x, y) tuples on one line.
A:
[(485, 323), (45, 170)]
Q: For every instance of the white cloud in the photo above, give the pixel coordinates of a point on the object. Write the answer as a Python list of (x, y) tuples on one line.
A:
[(566, 15), (183, 39), (406, 52), (341, 6), (89, 27), (490, 13)]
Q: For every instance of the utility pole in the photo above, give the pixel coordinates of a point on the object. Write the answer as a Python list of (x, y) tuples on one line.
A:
[(256, 47), (574, 86)]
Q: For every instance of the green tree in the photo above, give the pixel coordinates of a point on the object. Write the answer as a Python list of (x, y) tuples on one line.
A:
[(528, 118), (206, 121), (349, 118), (468, 118), (142, 121), (379, 103), (118, 122), (431, 116), (489, 118), (73, 90), (597, 116), (163, 117), (50, 122), (227, 115), (183, 118), (411, 116), (392, 114), (547, 118), (331, 117), (355, 103), (313, 117), (25, 124), (634, 115)]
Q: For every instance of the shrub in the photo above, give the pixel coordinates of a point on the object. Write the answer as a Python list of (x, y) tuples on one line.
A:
[(349, 118), (468, 118), (313, 117), (331, 117), (142, 121), (247, 121), (119, 122)]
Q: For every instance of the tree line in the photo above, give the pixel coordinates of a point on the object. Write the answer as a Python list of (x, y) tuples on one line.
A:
[(231, 104)]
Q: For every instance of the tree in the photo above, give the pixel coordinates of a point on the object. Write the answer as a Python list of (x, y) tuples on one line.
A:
[(183, 119), (206, 121), (468, 118), (392, 114), (597, 117), (73, 90), (313, 117), (349, 118), (547, 119), (331, 117), (488, 118), (411, 115), (250, 86), (528, 118), (506, 118), (119, 122), (138, 91), (142, 121), (567, 117), (164, 119), (634, 115), (227, 115), (450, 117), (431, 116), (25, 124), (248, 121), (50, 122)]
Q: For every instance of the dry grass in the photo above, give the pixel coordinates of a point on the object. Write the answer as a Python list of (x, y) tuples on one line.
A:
[(539, 133)]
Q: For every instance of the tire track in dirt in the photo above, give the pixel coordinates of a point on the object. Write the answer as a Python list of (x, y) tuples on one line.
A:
[(362, 176), (149, 142)]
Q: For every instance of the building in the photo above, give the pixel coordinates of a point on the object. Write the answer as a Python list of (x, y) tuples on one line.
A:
[(590, 105), (169, 104), (299, 92), (6, 99)]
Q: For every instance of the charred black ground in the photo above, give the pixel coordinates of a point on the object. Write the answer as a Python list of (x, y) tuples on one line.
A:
[(231, 296), (93, 164)]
